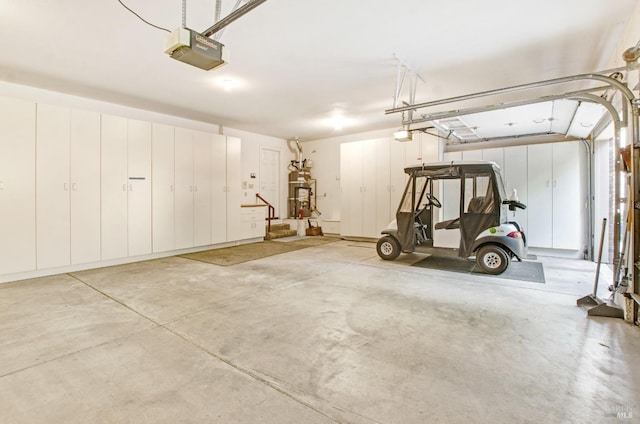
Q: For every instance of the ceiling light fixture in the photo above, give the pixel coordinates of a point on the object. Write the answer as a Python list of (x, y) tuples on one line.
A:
[(403, 135), (338, 122), (228, 84)]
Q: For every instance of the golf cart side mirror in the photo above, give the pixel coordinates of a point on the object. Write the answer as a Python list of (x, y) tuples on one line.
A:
[(513, 204)]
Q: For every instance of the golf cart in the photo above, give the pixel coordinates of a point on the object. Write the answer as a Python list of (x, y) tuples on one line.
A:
[(472, 218)]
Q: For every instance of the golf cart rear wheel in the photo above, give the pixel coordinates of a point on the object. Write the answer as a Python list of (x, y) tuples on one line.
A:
[(492, 259), (388, 248)]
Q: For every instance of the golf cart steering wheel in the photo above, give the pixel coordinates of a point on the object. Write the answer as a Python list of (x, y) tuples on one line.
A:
[(433, 201)]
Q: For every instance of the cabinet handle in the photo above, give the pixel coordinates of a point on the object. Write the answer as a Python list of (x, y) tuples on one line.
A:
[(195, 188), (124, 187), (191, 189), (171, 187), (547, 183), (555, 183), (74, 186), (66, 186), (1, 185)]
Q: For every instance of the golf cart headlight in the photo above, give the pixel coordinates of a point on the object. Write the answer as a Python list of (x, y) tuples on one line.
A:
[(515, 234)]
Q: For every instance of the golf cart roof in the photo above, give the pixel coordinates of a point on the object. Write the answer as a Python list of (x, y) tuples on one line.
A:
[(451, 169)]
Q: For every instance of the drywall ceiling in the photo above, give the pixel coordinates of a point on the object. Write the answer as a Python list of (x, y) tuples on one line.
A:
[(296, 64)]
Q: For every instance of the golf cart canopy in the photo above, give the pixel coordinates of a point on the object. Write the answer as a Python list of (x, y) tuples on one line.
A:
[(479, 207), (450, 170)]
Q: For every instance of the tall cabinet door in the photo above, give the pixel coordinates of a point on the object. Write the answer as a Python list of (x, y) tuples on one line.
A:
[(234, 186), (383, 186), (184, 188), (219, 189), (540, 195), (202, 188), (515, 175), (139, 198), (398, 178), (52, 186), (85, 186), (114, 174), (368, 178), (567, 216), (351, 189), (17, 186), (162, 180)]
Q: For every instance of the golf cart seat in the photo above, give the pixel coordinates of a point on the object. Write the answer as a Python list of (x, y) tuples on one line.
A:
[(476, 205), (450, 224)]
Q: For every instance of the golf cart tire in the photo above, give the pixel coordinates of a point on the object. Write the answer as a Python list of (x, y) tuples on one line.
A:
[(492, 259), (388, 248)]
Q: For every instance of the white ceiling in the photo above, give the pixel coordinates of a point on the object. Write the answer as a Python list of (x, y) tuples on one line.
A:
[(298, 63)]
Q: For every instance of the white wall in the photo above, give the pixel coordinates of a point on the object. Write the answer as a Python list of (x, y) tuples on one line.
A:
[(252, 143)]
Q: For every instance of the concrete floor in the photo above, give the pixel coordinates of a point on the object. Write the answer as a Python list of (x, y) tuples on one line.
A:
[(320, 335)]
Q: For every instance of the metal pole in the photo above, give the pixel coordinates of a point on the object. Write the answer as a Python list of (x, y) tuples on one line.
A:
[(595, 283), (612, 82), (232, 17)]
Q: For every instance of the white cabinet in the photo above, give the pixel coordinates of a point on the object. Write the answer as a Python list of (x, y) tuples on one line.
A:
[(397, 176), (139, 196), (202, 188), (162, 179), (85, 186), (540, 195), (494, 155), (365, 188), (252, 219), (555, 217), (226, 194), (351, 189), (548, 181), (67, 186), (184, 188), (17, 186), (219, 189), (234, 186), (78, 187), (113, 187), (515, 177), (383, 185), (567, 207), (53, 242)]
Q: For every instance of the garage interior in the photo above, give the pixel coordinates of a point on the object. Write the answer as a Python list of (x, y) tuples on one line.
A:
[(188, 245)]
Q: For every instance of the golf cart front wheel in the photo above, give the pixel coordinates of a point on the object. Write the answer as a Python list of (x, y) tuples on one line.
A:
[(492, 259), (388, 248)]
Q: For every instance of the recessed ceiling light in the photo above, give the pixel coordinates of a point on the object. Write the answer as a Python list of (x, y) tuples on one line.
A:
[(228, 84), (338, 122)]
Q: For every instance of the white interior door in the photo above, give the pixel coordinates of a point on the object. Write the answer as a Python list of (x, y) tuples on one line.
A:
[(270, 177), (52, 186)]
